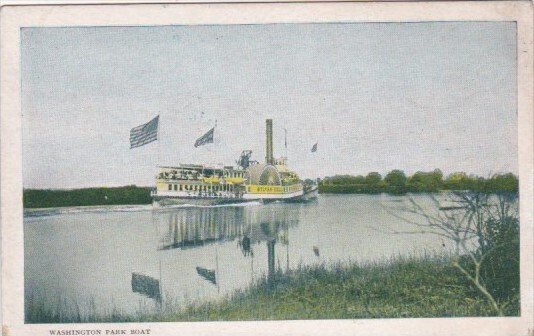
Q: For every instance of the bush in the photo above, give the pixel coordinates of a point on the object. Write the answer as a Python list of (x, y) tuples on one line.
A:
[(500, 268)]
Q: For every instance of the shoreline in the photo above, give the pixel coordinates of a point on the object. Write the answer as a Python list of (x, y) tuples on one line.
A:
[(405, 287), (99, 196), (30, 209), (395, 183), (399, 287)]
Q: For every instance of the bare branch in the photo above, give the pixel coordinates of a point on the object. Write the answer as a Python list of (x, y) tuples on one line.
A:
[(461, 225)]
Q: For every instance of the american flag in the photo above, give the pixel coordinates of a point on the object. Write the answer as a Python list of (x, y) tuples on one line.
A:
[(144, 134), (206, 138)]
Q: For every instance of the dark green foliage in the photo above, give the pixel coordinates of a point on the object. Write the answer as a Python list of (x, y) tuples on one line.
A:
[(500, 268), (397, 183), (404, 287), (493, 206), (396, 178), (47, 198), (401, 287), (426, 182), (461, 181), (347, 184), (373, 179), (484, 225), (502, 183), (348, 189), (495, 184)]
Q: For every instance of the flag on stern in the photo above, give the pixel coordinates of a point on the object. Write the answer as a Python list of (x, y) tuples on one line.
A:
[(144, 134), (314, 148), (206, 138)]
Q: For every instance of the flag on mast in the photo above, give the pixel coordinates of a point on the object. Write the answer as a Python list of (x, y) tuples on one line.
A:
[(206, 138), (144, 134), (314, 148)]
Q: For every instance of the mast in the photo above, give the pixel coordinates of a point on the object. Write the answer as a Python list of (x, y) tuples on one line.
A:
[(285, 142)]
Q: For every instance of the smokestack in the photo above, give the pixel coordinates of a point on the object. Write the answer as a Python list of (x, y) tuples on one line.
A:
[(269, 142)]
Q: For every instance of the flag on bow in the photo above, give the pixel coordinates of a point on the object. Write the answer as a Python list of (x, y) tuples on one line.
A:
[(314, 148), (206, 138), (144, 134)]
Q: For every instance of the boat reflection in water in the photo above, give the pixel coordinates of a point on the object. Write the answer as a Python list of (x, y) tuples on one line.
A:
[(207, 239)]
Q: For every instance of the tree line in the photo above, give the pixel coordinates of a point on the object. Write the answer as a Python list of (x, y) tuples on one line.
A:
[(46, 198), (398, 183), (395, 182)]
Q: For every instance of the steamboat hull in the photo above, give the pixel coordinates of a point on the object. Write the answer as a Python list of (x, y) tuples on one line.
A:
[(195, 201), (307, 196), (165, 201)]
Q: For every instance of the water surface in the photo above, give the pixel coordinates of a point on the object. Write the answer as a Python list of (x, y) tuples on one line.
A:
[(88, 255)]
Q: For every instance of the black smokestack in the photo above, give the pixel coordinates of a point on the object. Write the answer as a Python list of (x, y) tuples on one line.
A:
[(269, 142)]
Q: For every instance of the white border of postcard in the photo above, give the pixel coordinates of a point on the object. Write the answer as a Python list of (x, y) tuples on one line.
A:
[(15, 16)]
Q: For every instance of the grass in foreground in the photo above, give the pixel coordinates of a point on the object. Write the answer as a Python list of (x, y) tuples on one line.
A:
[(402, 287)]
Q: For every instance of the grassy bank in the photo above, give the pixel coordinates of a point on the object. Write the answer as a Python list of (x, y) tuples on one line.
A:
[(402, 287), (48, 198)]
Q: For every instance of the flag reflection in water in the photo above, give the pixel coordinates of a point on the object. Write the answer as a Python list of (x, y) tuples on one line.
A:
[(146, 285), (247, 226)]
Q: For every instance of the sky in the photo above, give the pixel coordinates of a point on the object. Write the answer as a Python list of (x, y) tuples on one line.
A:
[(374, 96)]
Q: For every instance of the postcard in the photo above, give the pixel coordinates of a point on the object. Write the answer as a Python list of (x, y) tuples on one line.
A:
[(280, 168)]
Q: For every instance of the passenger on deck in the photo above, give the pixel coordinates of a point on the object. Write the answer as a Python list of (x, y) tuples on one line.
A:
[(245, 246)]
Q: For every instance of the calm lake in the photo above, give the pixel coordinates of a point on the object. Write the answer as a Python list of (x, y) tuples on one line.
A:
[(86, 256)]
